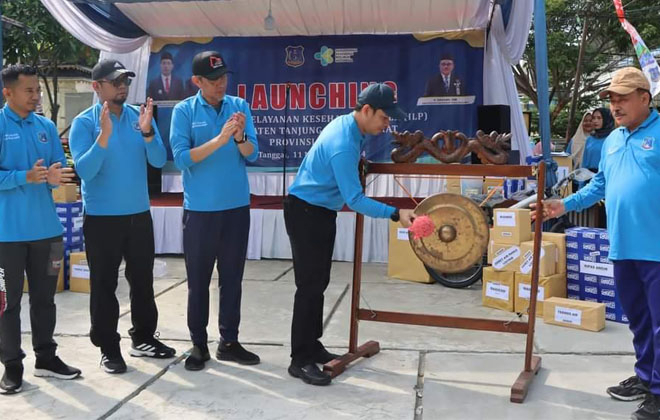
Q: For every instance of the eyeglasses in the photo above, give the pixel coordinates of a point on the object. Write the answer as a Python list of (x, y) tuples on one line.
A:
[(118, 82)]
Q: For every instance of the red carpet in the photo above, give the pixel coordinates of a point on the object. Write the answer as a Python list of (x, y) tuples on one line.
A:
[(268, 202)]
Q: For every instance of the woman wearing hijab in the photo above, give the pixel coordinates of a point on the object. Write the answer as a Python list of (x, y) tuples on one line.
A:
[(602, 124), (576, 145)]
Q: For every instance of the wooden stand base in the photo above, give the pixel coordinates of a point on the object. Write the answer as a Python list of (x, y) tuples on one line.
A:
[(521, 386), (337, 366)]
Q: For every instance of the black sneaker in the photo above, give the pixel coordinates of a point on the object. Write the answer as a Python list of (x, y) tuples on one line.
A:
[(310, 374), (323, 356), (12, 380), (649, 409), (234, 352), (113, 363), (197, 358), (629, 390), (55, 368), (152, 348)]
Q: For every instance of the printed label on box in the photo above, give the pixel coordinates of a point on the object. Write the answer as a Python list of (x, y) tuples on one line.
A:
[(589, 235), (568, 315), (573, 296), (589, 247), (505, 257), (497, 291), (572, 256), (594, 253), (80, 271), (507, 234), (506, 219), (608, 292), (525, 291), (607, 281), (528, 260), (592, 290), (591, 279), (573, 276), (604, 247), (573, 286), (609, 304), (573, 267), (589, 258), (598, 269), (604, 260), (402, 234), (77, 222), (571, 245)]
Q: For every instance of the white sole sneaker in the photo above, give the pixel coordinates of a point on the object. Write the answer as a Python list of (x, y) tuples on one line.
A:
[(14, 391), (44, 373)]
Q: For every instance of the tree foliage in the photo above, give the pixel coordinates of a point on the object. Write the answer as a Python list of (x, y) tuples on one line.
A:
[(607, 46), (43, 43)]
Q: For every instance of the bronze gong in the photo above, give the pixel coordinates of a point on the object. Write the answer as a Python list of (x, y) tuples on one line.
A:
[(460, 237)]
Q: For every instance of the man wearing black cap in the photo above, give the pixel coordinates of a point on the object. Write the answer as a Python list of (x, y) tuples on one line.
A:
[(328, 178), (111, 143), (212, 137), (166, 86), (445, 83)]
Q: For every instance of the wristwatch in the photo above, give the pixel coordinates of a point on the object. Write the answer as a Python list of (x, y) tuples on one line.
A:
[(149, 134), (395, 215), (245, 139)]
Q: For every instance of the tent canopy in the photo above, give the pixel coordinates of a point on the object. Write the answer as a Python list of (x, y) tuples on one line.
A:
[(199, 18)]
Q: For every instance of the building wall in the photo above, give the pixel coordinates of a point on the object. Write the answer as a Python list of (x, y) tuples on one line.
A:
[(74, 95)]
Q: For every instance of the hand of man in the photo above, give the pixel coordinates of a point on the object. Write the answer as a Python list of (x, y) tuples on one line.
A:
[(228, 130), (58, 175), (106, 126), (406, 217), (38, 174), (240, 119), (146, 115), (551, 209)]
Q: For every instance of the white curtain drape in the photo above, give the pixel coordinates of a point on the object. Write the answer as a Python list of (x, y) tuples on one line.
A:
[(504, 48), (132, 52)]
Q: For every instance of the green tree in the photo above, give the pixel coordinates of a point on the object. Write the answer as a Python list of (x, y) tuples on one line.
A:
[(606, 46), (43, 43)]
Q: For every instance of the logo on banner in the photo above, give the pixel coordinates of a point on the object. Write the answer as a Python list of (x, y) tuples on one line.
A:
[(294, 56), (324, 56), (42, 137), (647, 143), (216, 62)]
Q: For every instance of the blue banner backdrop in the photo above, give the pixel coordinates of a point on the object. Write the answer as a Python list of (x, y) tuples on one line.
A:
[(296, 85)]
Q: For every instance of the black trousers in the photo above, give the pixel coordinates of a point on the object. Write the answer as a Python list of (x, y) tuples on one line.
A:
[(312, 231), (208, 238), (108, 239), (41, 261)]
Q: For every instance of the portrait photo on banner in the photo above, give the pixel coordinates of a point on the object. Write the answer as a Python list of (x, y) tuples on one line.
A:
[(296, 85)]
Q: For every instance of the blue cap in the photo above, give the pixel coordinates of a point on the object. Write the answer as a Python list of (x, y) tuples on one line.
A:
[(381, 96)]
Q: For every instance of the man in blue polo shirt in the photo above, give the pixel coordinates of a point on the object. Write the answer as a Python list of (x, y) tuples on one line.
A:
[(111, 143), (31, 165), (212, 137), (328, 178), (629, 180)]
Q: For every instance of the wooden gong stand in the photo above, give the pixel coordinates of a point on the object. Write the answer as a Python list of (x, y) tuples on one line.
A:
[(370, 348)]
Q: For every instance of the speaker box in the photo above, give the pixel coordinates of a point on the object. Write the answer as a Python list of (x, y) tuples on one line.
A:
[(495, 118)]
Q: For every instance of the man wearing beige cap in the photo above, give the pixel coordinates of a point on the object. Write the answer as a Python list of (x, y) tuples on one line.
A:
[(629, 180)]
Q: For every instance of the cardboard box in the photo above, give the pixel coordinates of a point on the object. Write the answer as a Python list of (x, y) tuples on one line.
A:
[(402, 262), (504, 257), (498, 289), (550, 286), (79, 273), (571, 313), (65, 193), (60, 280), (491, 183), (559, 239), (453, 184), (512, 226), (547, 258)]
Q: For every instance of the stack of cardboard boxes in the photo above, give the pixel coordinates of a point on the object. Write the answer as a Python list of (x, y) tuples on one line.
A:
[(507, 282), (590, 273)]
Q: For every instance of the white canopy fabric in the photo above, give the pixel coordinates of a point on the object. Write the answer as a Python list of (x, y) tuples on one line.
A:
[(213, 18)]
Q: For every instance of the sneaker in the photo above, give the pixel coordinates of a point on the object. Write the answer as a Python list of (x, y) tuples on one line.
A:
[(234, 352), (197, 358), (55, 368), (12, 380), (649, 409), (310, 374), (152, 348), (113, 363), (629, 390)]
